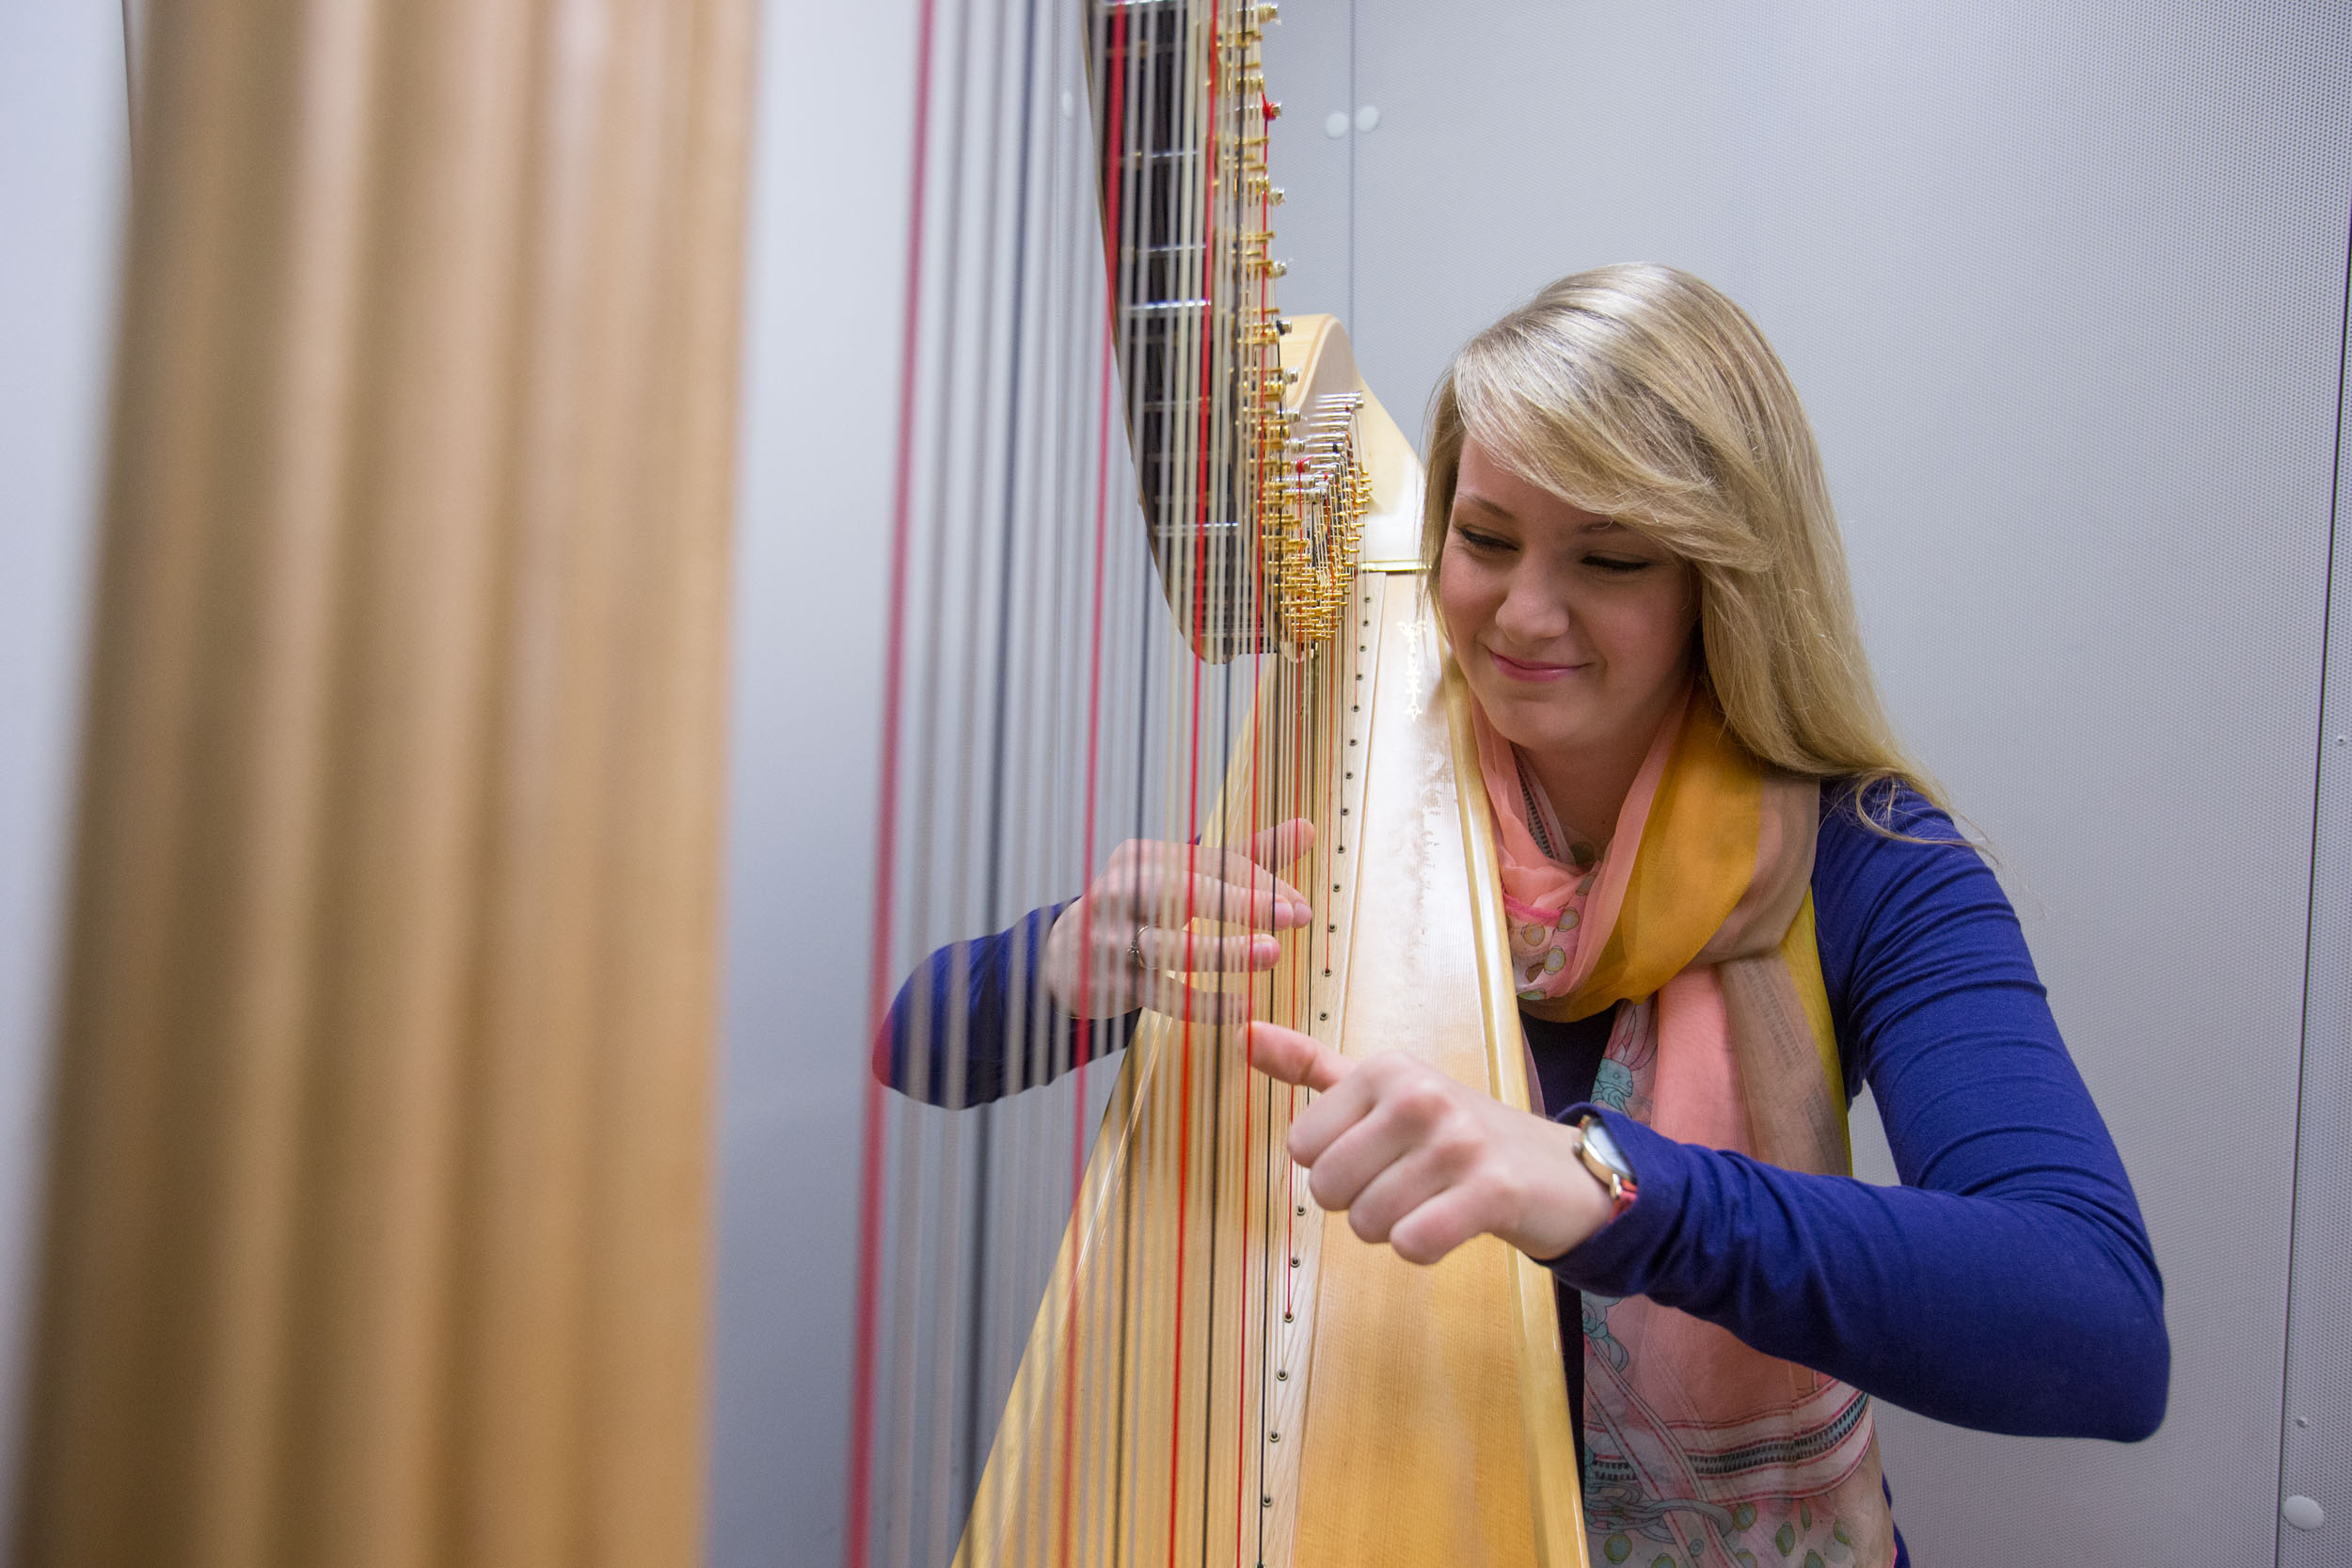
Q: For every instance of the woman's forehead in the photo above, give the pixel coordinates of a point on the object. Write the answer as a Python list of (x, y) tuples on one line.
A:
[(1495, 488)]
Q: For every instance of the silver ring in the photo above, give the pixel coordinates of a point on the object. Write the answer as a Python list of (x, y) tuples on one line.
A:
[(1134, 950)]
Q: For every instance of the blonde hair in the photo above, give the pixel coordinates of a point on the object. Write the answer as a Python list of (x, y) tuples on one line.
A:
[(1638, 392)]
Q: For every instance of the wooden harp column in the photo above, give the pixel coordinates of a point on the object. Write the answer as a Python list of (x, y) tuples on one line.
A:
[(378, 1198)]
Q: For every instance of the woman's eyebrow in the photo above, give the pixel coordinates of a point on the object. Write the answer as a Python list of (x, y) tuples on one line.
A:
[(1469, 499)]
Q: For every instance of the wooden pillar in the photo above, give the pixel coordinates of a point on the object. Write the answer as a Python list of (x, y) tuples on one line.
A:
[(380, 1193)]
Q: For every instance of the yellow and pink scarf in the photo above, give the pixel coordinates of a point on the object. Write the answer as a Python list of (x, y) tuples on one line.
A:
[(1698, 919)]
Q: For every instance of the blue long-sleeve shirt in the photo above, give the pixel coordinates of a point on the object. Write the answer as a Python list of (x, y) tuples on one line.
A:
[(2007, 1285)]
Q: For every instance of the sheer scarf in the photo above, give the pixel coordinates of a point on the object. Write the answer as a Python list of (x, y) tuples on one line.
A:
[(1698, 918)]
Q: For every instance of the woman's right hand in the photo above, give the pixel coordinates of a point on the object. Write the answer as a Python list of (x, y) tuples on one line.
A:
[(1126, 944)]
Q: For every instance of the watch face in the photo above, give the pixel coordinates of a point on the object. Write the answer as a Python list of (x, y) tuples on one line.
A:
[(1605, 1148)]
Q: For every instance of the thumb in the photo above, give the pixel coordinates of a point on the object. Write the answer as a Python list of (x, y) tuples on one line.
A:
[(1295, 1058)]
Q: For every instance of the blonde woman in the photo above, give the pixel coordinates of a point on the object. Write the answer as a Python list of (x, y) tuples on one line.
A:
[(1732, 903)]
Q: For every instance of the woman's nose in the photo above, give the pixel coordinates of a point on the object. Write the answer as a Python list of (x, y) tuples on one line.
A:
[(1532, 611)]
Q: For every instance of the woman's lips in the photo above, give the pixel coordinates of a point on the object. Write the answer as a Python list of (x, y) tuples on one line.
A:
[(1522, 670)]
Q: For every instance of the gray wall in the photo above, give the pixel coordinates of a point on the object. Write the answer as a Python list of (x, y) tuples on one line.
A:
[(62, 148), (2317, 1432), (828, 232), (2063, 287)]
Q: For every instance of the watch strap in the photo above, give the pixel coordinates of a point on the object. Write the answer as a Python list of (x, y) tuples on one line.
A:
[(1617, 1183)]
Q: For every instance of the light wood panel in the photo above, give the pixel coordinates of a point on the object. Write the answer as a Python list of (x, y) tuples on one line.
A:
[(1438, 1431), (378, 1198)]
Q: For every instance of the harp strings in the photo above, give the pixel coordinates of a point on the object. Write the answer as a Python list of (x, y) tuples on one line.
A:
[(1084, 445)]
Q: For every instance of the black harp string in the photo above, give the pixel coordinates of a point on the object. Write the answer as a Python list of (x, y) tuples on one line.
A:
[(930, 1504), (1020, 438), (1105, 1328), (1039, 1132), (1097, 500), (1216, 488), (933, 1141), (1089, 387), (1194, 1170), (962, 1245)]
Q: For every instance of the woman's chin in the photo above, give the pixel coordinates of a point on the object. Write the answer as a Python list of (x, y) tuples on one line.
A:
[(1532, 724)]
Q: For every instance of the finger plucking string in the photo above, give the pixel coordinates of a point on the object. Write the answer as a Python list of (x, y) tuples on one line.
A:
[(1292, 1058), (1194, 1004), (1283, 843), (1349, 1137), (1272, 907), (1394, 1192), (1436, 1227), (1190, 953), (1246, 870)]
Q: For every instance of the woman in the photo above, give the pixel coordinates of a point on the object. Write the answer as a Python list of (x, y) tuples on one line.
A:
[(1733, 902)]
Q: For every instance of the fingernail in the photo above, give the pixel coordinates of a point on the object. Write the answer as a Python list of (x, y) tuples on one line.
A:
[(1266, 948)]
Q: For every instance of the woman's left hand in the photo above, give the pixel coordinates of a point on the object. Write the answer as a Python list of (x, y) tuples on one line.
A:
[(1425, 1163)]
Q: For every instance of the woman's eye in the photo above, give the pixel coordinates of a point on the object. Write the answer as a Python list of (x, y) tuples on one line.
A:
[(1478, 541), (1621, 565)]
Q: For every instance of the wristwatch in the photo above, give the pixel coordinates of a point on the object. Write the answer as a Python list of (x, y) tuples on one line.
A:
[(1607, 1162)]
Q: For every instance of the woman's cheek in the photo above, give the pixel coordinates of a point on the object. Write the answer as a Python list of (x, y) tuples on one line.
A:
[(1457, 602)]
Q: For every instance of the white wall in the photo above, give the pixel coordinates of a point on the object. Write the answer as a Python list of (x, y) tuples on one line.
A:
[(63, 128)]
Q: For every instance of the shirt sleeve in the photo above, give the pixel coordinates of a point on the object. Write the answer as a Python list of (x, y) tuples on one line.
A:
[(974, 1023), (2008, 1284)]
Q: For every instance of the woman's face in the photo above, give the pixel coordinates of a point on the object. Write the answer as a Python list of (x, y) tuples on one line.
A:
[(1573, 632)]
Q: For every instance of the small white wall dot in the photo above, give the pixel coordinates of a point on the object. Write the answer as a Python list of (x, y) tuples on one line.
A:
[(1336, 126), (2302, 1513), (1367, 118)]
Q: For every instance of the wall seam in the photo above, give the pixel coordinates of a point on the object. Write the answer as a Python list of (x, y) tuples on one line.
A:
[(2311, 932)]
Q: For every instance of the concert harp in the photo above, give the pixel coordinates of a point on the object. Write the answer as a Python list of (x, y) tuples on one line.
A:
[(1216, 1370)]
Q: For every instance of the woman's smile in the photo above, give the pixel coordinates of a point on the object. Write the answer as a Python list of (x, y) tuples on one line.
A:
[(1533, 670)]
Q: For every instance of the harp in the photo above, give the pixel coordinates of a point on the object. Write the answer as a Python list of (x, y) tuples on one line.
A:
[(1155, 575)]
